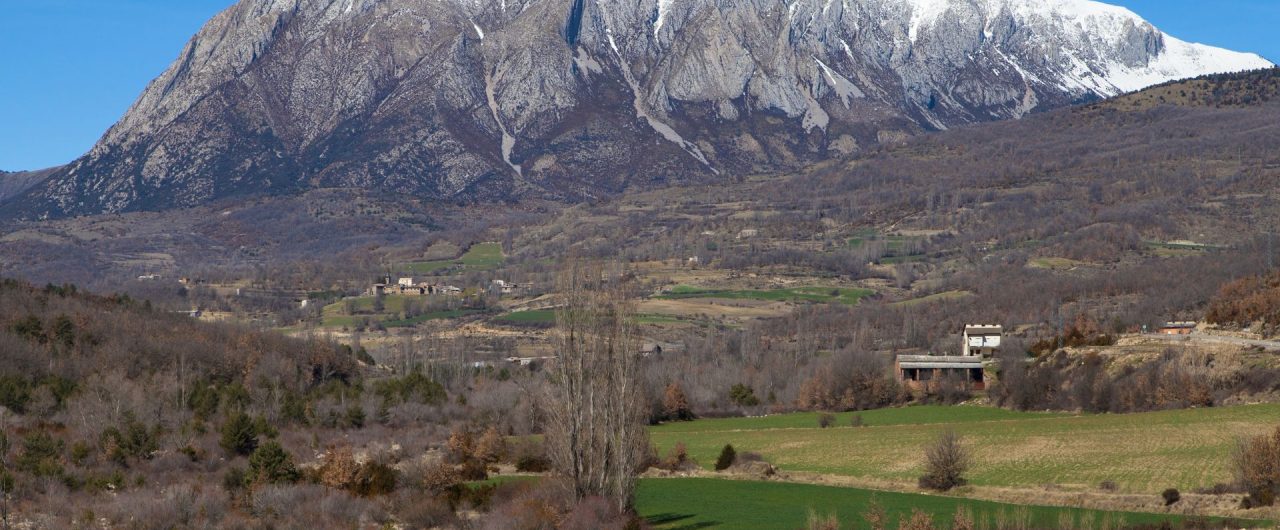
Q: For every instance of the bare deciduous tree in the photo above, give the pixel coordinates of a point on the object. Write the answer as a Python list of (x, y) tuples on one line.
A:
[(596, 435), (946, 461)]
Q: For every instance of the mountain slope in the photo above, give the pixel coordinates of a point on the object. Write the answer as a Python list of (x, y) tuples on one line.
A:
[(13, 183), (565, 99)]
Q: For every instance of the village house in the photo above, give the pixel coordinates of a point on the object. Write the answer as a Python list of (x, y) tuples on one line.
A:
[(1177, 328), (982, 340), (505, 287), (978, 343)]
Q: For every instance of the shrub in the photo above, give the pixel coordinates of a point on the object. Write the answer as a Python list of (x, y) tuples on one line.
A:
[(675, 405), (234, 480), (271, 464), (963, 519), (354, 417), (440, 478), (426, 513), (726, 459), (1108, 485), (133, 440), (41, 455), (15, 393), (743, 395), (1171, 496), (239, 435), (339, 469), (819, 522), (1257, 468), (946, 461), (919, 521), (875, 515), (826, 419), (529, 457), (491, 447), (856, 421), (375, 478), (678, 459)]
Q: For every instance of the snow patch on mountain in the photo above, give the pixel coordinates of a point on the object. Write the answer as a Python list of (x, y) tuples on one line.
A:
[(664, 6), (1181, 59)]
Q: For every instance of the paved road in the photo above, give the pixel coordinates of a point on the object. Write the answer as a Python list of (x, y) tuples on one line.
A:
[(1216, 339)]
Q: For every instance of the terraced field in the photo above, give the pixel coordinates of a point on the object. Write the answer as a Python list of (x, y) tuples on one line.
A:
[(1142, 453)]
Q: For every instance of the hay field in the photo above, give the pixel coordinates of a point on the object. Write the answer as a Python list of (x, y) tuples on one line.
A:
[(1142, 453)]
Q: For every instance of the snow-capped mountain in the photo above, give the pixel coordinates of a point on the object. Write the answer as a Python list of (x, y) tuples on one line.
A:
[(488, 99)]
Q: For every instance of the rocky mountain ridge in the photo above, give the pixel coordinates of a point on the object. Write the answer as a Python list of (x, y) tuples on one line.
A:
[(466, 100)]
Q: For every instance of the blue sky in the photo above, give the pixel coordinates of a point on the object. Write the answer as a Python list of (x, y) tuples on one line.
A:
[(70, 68)]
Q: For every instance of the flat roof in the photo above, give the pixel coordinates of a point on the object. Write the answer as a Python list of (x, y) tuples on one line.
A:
[(954, 359), (935, 366)]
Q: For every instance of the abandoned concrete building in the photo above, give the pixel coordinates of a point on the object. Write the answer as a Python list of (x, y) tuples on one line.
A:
[(979, 342)]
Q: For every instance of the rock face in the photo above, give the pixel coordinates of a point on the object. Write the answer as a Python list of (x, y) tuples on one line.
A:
[(566, 99)]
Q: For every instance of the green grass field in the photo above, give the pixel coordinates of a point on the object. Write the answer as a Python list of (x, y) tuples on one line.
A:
[(797, 294), (1142, 453), (922, 415), (690, 503), (481, 256)]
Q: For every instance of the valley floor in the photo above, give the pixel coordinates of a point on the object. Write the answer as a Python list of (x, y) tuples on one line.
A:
[(1022, 458)]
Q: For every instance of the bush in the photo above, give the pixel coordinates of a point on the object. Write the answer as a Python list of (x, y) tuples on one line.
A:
[(354, 417), (41, 455), (946, 461), (426, 513), (1171, 496), (826, 419), (675, 405), (819, 522), (375, 478), (1257, 468), (726, 459), (491, 447), (271, 464), (743, 395), (856, 421), (1108, 485), (132, 441), (440, 478), (919, 521), (234, 480), (529, 457), (677, 459), (239, 435)]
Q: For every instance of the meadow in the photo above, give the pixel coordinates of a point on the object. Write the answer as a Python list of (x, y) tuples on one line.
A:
[(691, 503), (848, 296), (536, 316), (1141, 453), (481, 256)]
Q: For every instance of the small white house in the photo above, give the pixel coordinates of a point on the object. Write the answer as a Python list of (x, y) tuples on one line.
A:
[(982, 340), (406, 282)]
